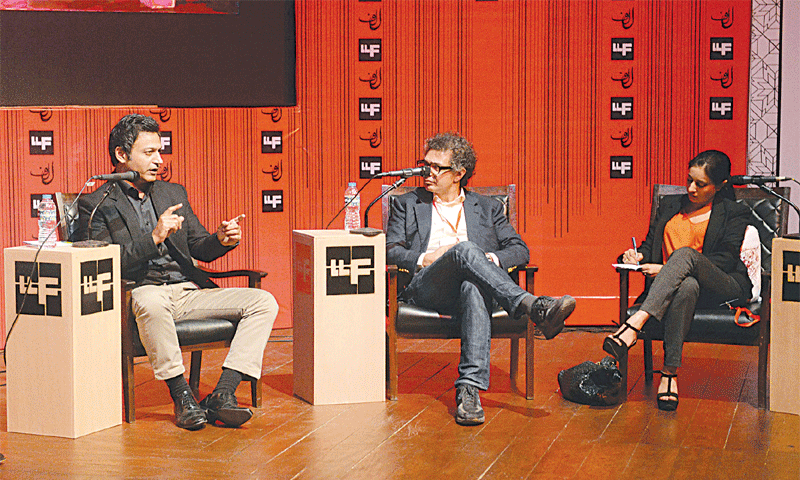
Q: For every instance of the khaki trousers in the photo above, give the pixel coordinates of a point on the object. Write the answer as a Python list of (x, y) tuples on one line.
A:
[(159, 307)]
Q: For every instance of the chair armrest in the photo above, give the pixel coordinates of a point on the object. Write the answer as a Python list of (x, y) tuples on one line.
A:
[(254, 276), (529, 271)]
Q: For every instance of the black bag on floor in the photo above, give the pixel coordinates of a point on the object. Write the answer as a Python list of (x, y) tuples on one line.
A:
[(590, 383)]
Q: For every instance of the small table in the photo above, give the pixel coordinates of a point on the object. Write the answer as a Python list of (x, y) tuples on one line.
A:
[(64, 370), (339, 286), (784, 364)]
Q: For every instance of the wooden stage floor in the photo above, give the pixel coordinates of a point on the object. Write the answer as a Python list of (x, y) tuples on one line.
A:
[(715, 433)]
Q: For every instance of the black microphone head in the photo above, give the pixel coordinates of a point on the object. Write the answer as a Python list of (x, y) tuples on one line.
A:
[(425, 171), (130, 176), (739, 180)]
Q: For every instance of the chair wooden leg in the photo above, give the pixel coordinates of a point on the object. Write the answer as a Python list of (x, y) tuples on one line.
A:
[(255, 392), (514, 365), (194, 373), (623, 370), (391, 347), (529, 361), (128, 400), (648, 359)]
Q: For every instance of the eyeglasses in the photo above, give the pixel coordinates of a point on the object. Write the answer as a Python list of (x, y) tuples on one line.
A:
[(436, 170)]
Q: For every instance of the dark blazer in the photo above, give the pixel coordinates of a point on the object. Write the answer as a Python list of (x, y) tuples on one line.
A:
[(723, 240), (117, 222), (409, 229)]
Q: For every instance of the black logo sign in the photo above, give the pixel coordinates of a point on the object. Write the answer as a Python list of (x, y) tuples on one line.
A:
[(369, 108), (621, 108), (35, 199), (350, 270), (166, 143), (721, 108), (791, 276), (44, 292), (721, 48), (272, 142), (41, 142), (622, 167), (369, 49), (369, 166), (97, 287), (272, 200), (621, 49)]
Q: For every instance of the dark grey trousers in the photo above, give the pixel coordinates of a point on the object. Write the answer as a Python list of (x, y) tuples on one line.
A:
[(686, 278)]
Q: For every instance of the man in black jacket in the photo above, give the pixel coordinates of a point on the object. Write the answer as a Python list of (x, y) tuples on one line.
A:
[(159, 236), (458, 246)]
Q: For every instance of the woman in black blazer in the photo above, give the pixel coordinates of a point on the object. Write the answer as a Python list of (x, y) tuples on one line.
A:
[(692, 254)]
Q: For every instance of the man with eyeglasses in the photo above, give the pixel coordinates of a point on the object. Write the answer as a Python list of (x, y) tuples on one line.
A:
[(458, 247)]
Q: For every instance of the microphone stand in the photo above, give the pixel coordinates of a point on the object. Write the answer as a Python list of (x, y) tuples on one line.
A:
[(393, 186), (89, 243), (773, 192)]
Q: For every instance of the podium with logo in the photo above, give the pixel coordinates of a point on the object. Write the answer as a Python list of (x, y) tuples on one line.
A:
[(784, 361), (339, 285), (64, 369)]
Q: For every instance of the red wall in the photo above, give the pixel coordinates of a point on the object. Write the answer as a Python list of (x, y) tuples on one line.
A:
[(530, 83)]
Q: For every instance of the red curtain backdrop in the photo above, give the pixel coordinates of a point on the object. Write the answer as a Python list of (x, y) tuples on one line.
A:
[(532, 84)]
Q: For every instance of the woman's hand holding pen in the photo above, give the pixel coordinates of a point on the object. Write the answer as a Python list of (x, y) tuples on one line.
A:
[(632, 257)]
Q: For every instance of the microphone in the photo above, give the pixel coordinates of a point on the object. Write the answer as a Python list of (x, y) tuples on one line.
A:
[(756, 179), (407, 172), (131, 176)]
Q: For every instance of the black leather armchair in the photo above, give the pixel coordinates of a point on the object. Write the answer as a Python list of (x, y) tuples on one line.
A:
[(410, 321), (718, 326)]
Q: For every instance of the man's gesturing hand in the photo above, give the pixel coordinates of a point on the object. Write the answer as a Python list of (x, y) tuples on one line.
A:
[(229, 232), (168, 223)]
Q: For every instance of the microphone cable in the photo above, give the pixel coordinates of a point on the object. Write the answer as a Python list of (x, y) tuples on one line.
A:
[(348, 203)]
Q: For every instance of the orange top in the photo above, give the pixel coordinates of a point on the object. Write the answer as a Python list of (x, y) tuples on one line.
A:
[(686, 230)]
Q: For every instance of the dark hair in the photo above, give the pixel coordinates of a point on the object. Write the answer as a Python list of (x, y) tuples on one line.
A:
[(126, 131), (463, 153), (717, 166)]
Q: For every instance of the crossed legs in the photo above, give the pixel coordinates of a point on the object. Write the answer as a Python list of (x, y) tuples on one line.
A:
[(672, 298)]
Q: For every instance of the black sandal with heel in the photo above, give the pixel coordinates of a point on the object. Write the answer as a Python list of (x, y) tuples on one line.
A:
[(668, 401), (620, 350)]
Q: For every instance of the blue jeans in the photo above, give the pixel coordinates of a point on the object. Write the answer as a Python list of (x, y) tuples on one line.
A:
[(465, 284)]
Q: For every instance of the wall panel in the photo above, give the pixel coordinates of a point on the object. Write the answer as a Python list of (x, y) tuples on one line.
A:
[(529, 82)]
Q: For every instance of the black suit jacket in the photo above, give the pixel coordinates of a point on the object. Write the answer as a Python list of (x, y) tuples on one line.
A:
[(117, 222), (722, 243), (409, 229)]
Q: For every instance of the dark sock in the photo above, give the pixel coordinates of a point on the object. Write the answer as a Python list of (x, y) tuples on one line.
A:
[(228, 381), (177, 385), (525, 306)]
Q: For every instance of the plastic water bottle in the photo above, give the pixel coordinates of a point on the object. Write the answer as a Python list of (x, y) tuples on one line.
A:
[(352, 213), (47, 221)]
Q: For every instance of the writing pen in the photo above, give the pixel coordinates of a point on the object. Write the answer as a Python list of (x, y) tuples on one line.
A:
[(635, 250)]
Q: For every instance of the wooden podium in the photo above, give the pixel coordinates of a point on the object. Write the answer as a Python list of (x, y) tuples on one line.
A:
[(339, 284), (64, 359), (784, 363)]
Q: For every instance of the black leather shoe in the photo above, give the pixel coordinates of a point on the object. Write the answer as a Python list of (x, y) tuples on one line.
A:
[(188, 413), (223, 406), (468, 406), (549, 313)]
